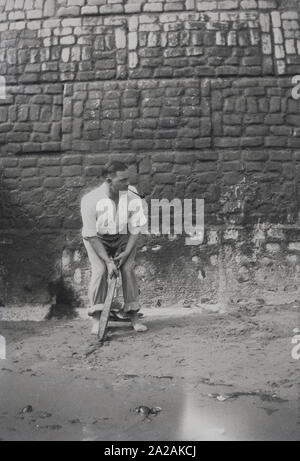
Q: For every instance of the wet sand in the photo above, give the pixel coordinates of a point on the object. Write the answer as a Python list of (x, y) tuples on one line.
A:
[(215, 376)]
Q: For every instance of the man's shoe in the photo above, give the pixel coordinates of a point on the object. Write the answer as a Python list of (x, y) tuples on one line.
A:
[(118, 316), (136, 323)]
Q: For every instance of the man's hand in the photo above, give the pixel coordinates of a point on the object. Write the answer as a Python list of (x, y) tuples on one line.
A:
[(112, 269), (121, 258)]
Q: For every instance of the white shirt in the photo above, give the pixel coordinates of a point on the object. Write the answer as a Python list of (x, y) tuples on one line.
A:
[(100, 216)]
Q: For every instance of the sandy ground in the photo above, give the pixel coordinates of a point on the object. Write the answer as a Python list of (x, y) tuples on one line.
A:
[(188, 363)]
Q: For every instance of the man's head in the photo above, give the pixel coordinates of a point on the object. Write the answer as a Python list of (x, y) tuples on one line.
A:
[(117, 176)]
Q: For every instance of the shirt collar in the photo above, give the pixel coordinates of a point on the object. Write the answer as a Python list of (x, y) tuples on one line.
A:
[(105, 190)]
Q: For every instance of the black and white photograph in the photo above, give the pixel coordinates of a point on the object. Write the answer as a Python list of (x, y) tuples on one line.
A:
[(149, 223)]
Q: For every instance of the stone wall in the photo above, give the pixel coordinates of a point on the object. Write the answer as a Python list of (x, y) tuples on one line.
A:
[(194, 95)]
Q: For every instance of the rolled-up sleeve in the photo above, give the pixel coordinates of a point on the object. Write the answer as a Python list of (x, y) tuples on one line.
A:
[(89, 218)]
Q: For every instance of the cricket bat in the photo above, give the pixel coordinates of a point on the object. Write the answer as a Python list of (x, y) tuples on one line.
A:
[(112, 283)]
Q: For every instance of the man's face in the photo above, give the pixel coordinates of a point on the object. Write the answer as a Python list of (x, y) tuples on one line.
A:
[(120, 181)]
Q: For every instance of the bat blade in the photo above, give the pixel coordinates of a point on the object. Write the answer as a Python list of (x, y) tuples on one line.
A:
[(112, 283)]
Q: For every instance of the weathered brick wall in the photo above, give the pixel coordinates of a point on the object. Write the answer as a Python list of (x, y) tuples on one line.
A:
[(186, 44), (195, 95)]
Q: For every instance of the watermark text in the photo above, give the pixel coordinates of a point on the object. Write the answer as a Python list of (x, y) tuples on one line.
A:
[(296, 342), (2, 348)]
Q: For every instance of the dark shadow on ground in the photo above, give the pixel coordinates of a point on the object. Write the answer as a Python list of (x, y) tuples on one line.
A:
[(64, 306)]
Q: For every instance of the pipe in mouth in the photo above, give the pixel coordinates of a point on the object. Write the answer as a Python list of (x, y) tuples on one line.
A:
[(136, 193)]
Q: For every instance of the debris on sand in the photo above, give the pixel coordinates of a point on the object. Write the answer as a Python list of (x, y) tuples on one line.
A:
[(27, 409), (44, 415), (270, 411), (187, 304), (163, 377), (210, 382), (52, 427), (75, 421), (265, 396), (147, 412), (130, 376)]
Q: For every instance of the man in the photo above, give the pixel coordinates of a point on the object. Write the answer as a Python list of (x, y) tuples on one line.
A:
[(112, 220)]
